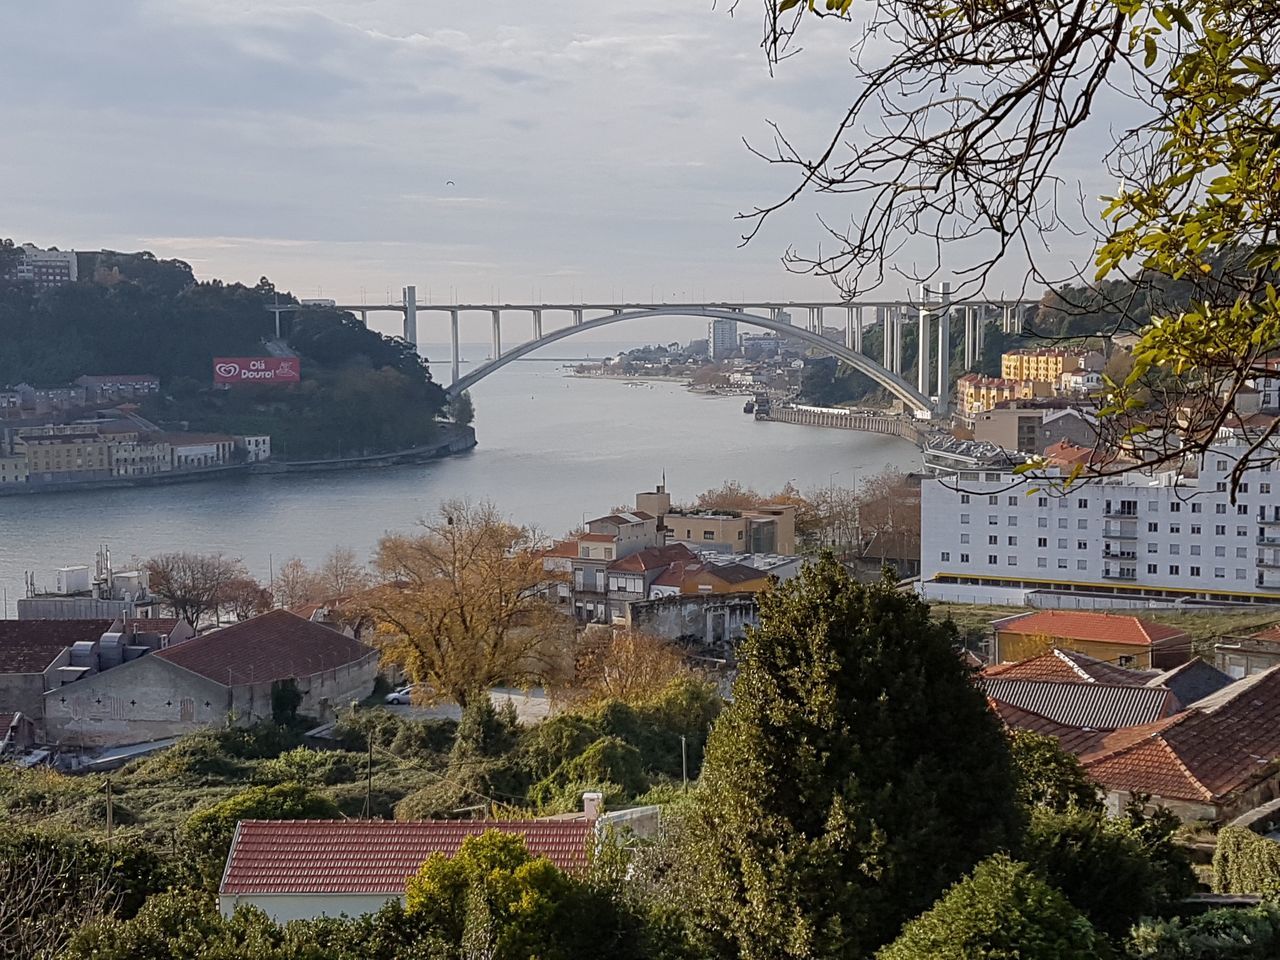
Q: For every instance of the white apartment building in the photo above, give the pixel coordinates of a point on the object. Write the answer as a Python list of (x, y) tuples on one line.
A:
[(722, 338), (45, 268), (987, 536)]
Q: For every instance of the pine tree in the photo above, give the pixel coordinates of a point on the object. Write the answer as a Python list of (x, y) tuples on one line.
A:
[(855, 776)]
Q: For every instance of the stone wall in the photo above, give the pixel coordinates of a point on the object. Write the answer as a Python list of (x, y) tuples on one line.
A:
[(716, 621)]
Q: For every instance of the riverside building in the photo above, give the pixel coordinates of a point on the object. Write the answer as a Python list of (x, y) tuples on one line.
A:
[(992, 537)]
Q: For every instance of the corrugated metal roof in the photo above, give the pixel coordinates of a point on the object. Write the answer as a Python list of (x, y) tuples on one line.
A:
[(1099, 706), (375, 856)]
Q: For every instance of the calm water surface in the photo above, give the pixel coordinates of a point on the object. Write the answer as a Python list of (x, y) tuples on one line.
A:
[(552, 450)]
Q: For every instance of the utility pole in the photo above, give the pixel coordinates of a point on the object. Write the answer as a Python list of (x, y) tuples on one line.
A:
[(684, 763)]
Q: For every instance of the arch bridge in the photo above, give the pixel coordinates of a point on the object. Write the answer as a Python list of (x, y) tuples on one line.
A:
[(930, 311)]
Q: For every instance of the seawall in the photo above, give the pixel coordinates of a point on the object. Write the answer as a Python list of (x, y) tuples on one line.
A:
[(844, 418)]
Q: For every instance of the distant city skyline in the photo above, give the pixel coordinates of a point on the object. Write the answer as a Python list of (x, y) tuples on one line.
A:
[(481, 152)]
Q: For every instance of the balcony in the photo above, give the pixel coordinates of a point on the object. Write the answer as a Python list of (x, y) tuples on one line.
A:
[(1265, 541), (1114, 533), (1121, 513), (1269, 563), (1119, 554), (1268, 581), (1264, 519), (1119, 573)]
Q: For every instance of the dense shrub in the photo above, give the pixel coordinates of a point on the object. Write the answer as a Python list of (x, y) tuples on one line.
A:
[(311, 767), (1252, 934), (1245, 862), (1047, 776), (1003, 910)]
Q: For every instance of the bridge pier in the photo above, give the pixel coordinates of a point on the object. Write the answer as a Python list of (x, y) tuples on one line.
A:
[(537, 324), (411, 315), (981, 337), (944, 349), (453, 338), (924, 321), (364, 317), (497, 333), (577, 317)]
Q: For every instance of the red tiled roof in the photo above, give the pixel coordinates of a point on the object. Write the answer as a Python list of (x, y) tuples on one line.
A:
[(733, 572), (652, 558), (374, 856), (674, 575), (1269, 635), (274, 646), (1068, 666), (29, 646), (1099, 627), (598, 537), (567, 549)]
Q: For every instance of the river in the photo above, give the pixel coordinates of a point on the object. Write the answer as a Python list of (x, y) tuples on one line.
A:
[(552, 450)]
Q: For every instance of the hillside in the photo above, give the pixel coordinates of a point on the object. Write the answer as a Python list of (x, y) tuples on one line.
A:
[(360, 392)]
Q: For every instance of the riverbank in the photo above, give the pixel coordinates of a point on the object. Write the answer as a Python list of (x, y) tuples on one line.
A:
[(453, 441), (845, 418)]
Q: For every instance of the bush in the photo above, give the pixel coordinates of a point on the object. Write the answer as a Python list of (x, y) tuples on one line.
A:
[(545, 747), (1244, 862), (196, 759), (1252, 934), (311, 767), (1113, 869), (1045, 775), (260, 741), (1002, 910)]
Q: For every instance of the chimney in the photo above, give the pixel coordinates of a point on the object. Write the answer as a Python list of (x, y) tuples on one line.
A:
[(592, 804)]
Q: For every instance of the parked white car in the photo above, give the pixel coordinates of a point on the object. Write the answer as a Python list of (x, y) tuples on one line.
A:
[(401, 696)]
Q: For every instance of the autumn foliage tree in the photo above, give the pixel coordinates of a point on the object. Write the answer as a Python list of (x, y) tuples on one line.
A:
[(463, 605), (192, 584)]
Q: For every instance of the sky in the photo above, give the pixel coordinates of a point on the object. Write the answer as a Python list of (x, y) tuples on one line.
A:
[(485, 152)]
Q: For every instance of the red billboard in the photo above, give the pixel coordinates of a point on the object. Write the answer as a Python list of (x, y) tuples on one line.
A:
[(257, 370)]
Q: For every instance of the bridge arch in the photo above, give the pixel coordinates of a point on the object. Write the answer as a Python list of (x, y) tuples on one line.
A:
[(908, 394)]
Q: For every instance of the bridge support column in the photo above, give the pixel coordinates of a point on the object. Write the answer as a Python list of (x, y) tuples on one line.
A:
[(497, 333), (899, 321), (857, 329), (364, 317), (970, 315), (848, 328), (944, 349), (981, 334), (453, 339), (411, 315), (922, 343), (577, 317), (537, 324), (886, 331)]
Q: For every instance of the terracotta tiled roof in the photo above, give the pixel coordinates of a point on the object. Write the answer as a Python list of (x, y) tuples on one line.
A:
[(1068, 666), (734, 572), (29, 646), (564, 549), (1100, 627), (1098, 706), (1270, 635), (598, 537), (674, 575), (653, 558), (274, 646), (374, 856)]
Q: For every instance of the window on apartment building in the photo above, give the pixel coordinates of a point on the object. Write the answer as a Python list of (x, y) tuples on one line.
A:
[(1082, 544), (1012, 561), (964, 518), (991, 476), (1013, 541), (1197, 507), (1062, 563), (708, 535), (1242, 509), (1042, 542), (1083, 503), (1244, 488), (1082, 564), (739, 534), (1175, 507), (992, 521), (1195, 571), (1264, 488), (1062, 543), (1195, 529), (992, 559), (1153, 548), (964, 558), (1082, 524), (946, 557), (1153, 568), (1153, 506), (1173, 570), (1242, 551), (993, 500), (964, 538), (1042, 502), (1220, 530), (1153, 527), (1062, 523), (992, 540), (1240, 574), (1219, 572), (1242, 531), (1222, 466), (1175, 528), (1042, 521), (1195, 549), (1042, 562), (1219, 551), (1013, 501), (1175, 549), (1219, 508), (1013, 521)]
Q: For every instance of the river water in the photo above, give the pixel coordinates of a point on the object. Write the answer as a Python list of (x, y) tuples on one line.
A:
[(552, 450)]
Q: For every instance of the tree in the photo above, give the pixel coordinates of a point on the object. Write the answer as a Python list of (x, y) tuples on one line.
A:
[(464, 604), (1047, 776), (1192, 224), (1231, 933), (887, 515), (244, 597), (628, 666), (1002, 910), (1245, 862), (839, 788), (461, 410), (730, 495), (296, 585), (341, 574), (192, 584)]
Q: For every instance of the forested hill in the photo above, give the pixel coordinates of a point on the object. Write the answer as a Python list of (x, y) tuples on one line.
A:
[(360, 393)]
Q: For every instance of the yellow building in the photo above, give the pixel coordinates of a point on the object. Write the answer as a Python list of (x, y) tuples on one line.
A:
[(978, 394), (768, 529), (1123, 640), (1048, 365), (13, 469), (66, 457)]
